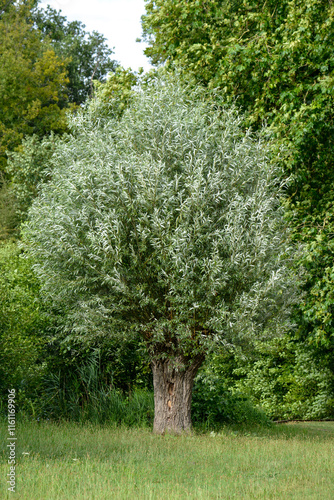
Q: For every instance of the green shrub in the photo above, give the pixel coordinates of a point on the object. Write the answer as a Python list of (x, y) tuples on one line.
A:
[(290, 380), (23, 324), (214, 404)]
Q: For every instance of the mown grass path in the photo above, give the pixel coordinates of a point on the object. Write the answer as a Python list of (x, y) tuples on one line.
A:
[(68, 461)]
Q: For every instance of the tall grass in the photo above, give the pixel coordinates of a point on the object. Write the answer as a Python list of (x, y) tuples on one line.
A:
[(86, 396)]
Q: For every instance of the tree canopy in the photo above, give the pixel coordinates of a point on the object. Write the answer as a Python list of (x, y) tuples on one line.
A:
[(32, 80), (167, 223), (47, 65), (86, 55)]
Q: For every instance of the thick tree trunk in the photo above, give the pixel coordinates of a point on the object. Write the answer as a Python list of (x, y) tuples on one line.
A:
[(172, 396)]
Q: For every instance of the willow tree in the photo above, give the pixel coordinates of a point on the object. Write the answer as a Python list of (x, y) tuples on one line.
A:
[(166, 223)]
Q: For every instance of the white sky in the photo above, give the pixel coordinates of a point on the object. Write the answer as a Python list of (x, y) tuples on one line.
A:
[(117, 20)]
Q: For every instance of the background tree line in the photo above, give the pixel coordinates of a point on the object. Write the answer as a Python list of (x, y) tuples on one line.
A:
[(274, 60), (47, 67)]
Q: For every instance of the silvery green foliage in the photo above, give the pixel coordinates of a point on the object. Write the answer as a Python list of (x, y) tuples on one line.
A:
[(166, 222)]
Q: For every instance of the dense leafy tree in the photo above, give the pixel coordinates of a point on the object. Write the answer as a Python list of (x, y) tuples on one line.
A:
[(287, 378), (27, 169), (164, 223), (8, 218), (32, 81), (275, 58), (23, 324), (114, 96), (87, 55)]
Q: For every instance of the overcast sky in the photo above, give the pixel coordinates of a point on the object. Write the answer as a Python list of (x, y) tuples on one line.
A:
[(117, 20)]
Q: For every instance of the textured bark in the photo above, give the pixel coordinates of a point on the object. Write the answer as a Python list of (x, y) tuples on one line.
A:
[(172, 396)]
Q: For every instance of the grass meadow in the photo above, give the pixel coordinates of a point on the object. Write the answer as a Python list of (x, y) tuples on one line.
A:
[(84, 462)]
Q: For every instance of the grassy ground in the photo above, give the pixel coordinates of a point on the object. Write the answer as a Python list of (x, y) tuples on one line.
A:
[(67, 461)]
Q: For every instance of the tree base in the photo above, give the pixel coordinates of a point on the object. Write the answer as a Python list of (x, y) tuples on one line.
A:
[(172, 395)]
